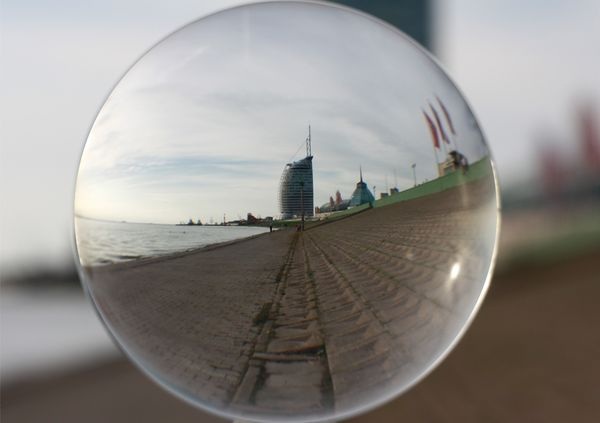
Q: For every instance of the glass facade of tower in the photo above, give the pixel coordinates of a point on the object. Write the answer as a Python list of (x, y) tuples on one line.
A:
[(361, 194), (296, 189)]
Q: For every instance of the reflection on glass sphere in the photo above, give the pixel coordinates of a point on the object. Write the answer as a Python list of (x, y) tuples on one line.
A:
[(286, 211)]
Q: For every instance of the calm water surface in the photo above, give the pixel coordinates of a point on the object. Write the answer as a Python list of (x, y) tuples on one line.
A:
[(102, 242)]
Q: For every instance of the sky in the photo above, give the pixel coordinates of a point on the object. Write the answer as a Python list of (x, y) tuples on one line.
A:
[(522, 65), (526, 67), (204, 123)]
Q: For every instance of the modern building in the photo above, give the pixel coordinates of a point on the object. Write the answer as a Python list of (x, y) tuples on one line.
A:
[(361, 194), (296, 193), (332, 206)]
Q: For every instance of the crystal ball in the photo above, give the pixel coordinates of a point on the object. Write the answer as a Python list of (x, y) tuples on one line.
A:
[(286, 211)]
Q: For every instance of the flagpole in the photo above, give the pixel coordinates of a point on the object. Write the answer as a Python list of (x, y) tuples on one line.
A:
[(437, 161), (448, 121), (433, 130), (455, 143), (453, 139), (443, 135), (444, 146)]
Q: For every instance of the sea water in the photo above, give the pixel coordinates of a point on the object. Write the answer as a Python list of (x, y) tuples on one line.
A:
[(103, 242)]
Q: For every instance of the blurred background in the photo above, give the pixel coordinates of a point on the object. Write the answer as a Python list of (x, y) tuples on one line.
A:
[(531, 71)]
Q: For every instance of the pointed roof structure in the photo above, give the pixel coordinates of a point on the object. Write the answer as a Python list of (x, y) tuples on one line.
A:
[(361, 194)]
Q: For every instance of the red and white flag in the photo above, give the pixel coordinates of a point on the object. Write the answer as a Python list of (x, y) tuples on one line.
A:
[(447, 115), (439, 124), (433, 130)]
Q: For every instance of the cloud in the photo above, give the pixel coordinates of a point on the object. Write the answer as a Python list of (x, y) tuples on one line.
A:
[(218, 108)]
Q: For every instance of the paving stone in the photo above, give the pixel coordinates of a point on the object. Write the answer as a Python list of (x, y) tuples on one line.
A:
[(293, 321)]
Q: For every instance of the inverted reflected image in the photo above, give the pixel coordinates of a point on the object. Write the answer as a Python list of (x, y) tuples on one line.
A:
[(286, 211)]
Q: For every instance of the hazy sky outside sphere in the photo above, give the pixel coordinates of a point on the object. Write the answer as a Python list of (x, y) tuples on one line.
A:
[(204, 124)]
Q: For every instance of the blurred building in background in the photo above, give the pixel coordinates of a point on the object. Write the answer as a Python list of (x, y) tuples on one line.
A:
[(556, 213), (413, 17)]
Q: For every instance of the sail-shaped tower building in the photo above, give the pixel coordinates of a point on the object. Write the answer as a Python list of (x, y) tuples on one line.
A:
[(296, 193)]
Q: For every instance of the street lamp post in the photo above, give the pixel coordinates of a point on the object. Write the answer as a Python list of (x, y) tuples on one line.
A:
[(302, 204), (414, 165)]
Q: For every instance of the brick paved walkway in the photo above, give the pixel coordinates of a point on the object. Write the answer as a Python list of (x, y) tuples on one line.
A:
[(305, 322)]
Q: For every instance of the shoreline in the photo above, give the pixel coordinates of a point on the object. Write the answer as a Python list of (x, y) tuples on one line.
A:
[(171, 255), (454, 181)]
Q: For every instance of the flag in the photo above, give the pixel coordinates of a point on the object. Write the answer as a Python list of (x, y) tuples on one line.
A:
[(590, 137), (433, 129), (439, 124), (447, 115)]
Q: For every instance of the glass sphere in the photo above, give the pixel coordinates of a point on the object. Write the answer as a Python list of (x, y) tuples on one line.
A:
[(286, 211)]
